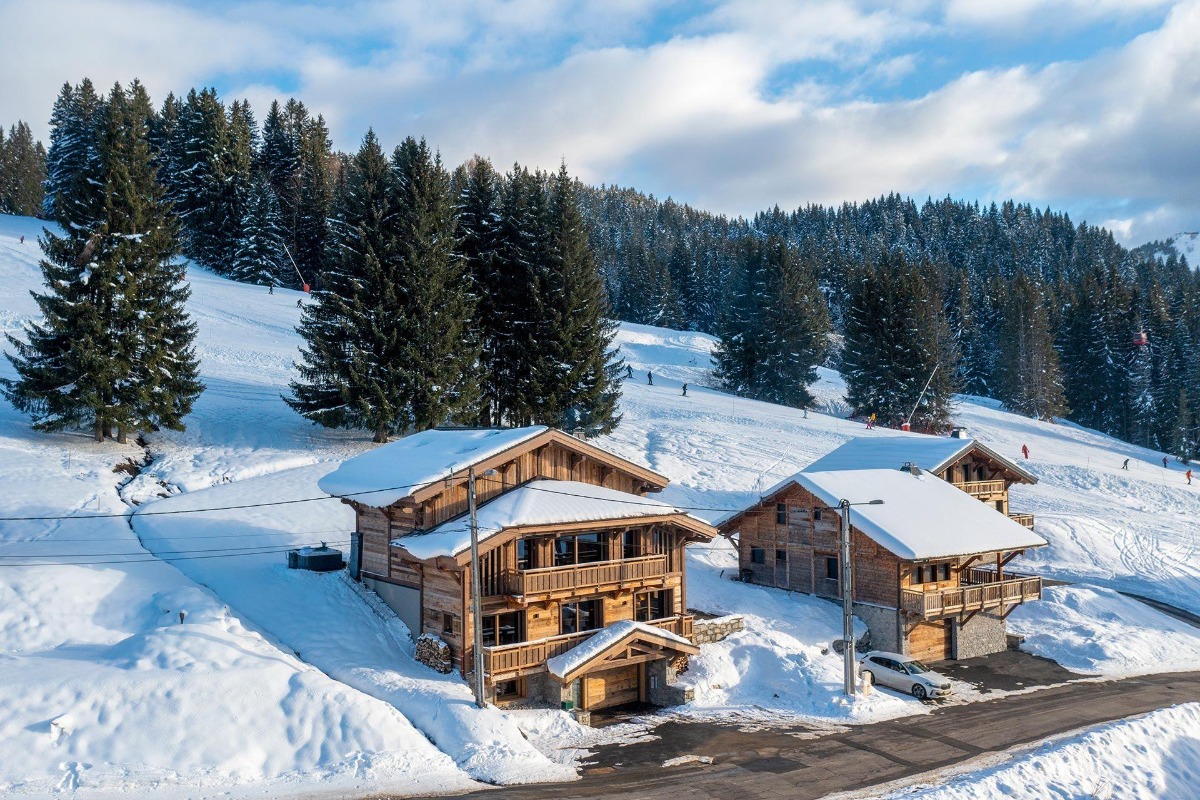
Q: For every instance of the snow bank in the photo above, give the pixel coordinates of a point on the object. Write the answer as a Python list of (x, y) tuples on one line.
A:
[(782, 667), (1155, 757), (324, 620), (1097, 631)]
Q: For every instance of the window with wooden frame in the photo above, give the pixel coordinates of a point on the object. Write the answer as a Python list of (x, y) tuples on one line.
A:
[(831, 568), (631, 544), (816, 515), (509, 690), (501, 629), (780, 556), (650, 606), (758, 555), (448, 625), (781, 513), (581, 548), (527, 554), (582, 615)]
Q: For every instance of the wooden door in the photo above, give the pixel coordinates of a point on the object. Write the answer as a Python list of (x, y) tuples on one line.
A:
[(611, 687), (930, 641)]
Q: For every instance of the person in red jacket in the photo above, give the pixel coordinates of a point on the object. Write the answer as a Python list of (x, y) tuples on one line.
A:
[(1025, 451)]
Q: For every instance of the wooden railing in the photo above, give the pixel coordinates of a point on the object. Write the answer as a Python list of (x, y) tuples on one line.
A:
[(1022, 519), (981, 590), (629, 572), (514, 659), (981, 488)]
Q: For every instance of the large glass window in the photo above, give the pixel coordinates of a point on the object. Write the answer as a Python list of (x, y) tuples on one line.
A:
[(583, 548), (582, 615), (526, 554), (653, 605), (500, 629), (631, 544)]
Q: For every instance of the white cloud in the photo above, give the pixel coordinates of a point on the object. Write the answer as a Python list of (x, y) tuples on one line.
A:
[(696, 109)]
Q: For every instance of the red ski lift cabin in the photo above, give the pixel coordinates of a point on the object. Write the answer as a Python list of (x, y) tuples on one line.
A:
[(1140, 339)]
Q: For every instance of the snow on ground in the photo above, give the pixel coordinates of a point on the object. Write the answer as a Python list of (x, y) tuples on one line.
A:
[(1153, 757), (782, 667), (308, 649), (325, 622), (1097, 631)]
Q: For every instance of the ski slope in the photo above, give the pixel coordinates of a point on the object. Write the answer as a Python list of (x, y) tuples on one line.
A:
[(279, 683)]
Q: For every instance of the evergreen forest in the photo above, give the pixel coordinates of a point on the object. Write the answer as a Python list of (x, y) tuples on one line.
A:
[(499, 288)]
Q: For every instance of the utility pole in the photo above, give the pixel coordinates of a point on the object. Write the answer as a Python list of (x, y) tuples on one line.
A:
[(848, 687), (476, 591), (847, 605)]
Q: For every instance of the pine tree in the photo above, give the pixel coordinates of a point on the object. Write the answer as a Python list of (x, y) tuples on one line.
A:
[(896, 342), (114, 348), (355, 371), (579, 365), (72, 143), (259, 257), (1029, 381), (775, 333), (438, 338), (479, 243), (22, 171)]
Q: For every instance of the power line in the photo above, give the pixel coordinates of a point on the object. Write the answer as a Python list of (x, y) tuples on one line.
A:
[(153, 558), (180, 552), (132, 537)]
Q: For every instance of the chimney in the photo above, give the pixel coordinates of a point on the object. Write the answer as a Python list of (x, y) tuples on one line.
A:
[(958, 432), (910, 466)]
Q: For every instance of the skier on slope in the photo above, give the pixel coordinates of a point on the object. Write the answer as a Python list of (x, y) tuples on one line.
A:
[(1125, 465), (1025, 451), (1189, 477), (685, 390), (649, 378), (628, 371), (1164, 462)]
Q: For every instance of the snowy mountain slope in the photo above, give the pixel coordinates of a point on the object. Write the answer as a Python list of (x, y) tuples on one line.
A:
[(1119, 529), (119, 674)]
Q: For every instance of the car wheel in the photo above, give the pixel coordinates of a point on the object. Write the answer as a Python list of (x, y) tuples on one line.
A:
[(918, 691), (868, 677)]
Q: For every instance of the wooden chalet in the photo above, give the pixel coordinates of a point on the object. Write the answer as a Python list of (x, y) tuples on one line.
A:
[(571, 545), (929, 565)]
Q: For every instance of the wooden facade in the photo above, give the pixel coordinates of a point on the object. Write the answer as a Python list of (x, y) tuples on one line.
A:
[(542, 590), (987, 477), (791, 540)]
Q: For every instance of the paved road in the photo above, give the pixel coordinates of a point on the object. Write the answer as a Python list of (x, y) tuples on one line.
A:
[(770, 765)]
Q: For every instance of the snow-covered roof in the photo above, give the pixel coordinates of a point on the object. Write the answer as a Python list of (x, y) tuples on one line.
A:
[(922, 516), (930, 453), (542, 502), (394, 471), (562, 666)]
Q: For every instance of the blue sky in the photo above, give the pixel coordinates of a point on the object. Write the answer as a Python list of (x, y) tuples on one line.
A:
[(1091, 106)]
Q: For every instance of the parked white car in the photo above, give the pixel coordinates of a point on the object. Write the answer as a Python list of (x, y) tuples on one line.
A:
[(903, 674)]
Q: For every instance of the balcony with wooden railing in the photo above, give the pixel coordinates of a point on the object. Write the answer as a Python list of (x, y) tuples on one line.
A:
[(982, 589), (1022, 519), (534, 585), (513, 660), (981, 488)]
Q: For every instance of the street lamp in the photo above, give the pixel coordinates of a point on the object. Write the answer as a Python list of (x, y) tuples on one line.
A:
[(848, 596), (476, 588)]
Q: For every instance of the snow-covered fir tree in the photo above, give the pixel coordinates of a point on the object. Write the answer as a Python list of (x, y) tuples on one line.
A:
[(113, 350), (259, 256)]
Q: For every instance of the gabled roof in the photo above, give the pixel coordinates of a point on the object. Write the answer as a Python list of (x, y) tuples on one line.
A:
[(591, 652), (930, 453), (545, 503), (419, 464), (922, 516)]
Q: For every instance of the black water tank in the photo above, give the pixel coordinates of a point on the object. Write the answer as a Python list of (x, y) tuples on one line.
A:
[(315, 559)]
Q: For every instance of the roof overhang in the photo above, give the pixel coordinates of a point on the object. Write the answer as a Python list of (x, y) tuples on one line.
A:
[(641, 643), (652, 480)]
